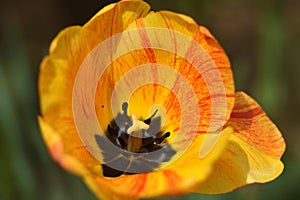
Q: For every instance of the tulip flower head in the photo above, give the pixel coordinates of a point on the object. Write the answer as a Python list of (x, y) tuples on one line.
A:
[(142, 104)]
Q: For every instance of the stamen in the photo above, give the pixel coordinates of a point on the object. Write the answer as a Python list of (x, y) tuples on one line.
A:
[(162, 138), (130, 134), (148, 121)]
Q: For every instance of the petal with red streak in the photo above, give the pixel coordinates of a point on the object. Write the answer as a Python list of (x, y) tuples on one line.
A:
[(253, 153)]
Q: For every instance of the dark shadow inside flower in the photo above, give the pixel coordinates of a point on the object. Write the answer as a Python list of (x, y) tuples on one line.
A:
[(124, 153)]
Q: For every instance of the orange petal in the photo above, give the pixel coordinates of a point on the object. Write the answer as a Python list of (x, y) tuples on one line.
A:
[(253, 153)]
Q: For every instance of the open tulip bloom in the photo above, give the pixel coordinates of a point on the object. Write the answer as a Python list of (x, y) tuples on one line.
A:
[(142, 104)]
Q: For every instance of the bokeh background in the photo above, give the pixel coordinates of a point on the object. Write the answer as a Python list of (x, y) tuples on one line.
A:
[(262, 39)]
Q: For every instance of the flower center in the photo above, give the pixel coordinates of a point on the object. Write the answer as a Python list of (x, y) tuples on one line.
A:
[(137, 136)]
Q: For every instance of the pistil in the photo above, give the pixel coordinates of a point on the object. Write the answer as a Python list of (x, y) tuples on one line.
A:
[(135, 132)]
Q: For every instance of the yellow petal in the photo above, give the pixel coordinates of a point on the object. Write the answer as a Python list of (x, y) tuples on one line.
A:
[(56, 150), (112, 20), (71, 46), (173, 21), (254, 127), (159, 95), (74, 165), (59, 69), (186, 172), (57, 76), (191, 167), (253, 153)]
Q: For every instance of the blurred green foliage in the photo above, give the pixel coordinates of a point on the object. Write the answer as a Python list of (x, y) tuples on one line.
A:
[(262, 39)]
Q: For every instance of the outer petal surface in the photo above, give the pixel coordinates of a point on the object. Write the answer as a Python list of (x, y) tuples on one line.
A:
[(59, 69), (253, 153)]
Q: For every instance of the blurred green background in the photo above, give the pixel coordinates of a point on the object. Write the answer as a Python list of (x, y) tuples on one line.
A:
[(262, 39)]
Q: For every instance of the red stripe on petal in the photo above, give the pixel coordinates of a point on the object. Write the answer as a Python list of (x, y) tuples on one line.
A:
[(149, 52), (172, 179), (140, 184), (248, 114), (254, 127)]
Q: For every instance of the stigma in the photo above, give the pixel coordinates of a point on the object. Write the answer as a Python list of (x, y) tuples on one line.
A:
[(136, 134), (137, 125)]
